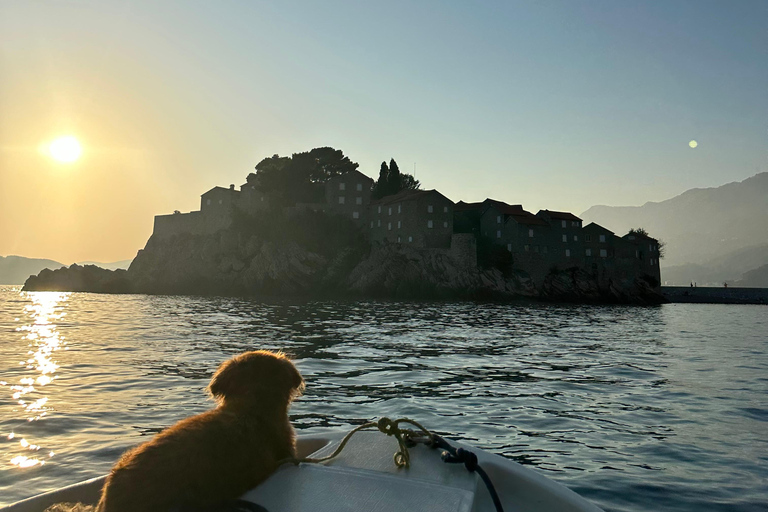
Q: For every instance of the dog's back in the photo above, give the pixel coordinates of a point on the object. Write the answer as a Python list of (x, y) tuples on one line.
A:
[(216, 455)]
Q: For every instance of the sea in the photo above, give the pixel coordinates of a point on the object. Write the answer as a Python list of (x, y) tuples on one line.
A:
[(636, 408)]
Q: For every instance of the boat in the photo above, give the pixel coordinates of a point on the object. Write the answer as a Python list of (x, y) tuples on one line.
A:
[(372, 472)]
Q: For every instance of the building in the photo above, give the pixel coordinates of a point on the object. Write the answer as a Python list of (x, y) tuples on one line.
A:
[(598, 242), (645, 250), (423, 218), (565, 238), (349, 195)]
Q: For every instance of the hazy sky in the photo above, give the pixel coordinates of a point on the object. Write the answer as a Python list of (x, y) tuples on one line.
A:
[(552, 104)]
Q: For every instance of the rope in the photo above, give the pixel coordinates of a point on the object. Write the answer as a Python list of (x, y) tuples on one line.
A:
[(408, 437)]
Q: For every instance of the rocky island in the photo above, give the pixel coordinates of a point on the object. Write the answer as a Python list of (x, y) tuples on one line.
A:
[(312, 225)]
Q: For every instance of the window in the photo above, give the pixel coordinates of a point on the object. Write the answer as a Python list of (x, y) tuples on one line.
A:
[(530, 233), (527, 248), (430, 224), (602, 238), (359, 187), (498, 234), (535, 248), (220, 201), (390, 211), (588, 252), (603, 253), (399, 208), (445, 209), (355, 215), (342, 186), (563, 223), (398, 239), (498, 219), (574, 223), (567, 253), (410, 239), (429, 208), (587, 238), (398, 224), (565, 238), (445, 224), (371, 224), (378, 223), (379, 209), (509, 247), (650, 248), (341, 199), (358, 200), (208, 202), (389, 226), (575, 238)]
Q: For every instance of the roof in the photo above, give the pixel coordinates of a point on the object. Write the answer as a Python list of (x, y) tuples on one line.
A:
[(220, 190), (597, 227), (347, 175), (559, 215), (523, 217), (461, 206), (639, 235), (407, 195)]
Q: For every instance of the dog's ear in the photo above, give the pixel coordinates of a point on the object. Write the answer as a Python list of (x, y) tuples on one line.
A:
[(225, 381)]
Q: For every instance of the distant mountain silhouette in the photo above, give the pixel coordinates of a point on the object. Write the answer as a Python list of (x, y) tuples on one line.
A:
[(700, 225), (16, 269), (124, 264), (726, 268), (757, 278)]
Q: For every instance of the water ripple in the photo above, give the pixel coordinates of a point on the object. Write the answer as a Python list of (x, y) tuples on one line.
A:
[(635, 408)]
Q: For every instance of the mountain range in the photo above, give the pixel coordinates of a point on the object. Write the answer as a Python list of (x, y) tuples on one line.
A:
[(712, 235), (16, 269)]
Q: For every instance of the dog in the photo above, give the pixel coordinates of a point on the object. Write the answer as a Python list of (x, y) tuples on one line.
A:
[(217, 455)]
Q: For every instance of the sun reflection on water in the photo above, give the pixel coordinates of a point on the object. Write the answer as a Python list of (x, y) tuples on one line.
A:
[(43, 339)]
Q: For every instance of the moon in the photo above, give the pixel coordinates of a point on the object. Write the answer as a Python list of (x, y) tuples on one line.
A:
[(65, 149), (693, 144)]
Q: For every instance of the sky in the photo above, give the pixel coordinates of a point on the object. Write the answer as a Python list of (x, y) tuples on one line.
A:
[(551, 104)]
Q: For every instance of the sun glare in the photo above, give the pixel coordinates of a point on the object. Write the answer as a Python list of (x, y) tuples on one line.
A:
[(65, 149)]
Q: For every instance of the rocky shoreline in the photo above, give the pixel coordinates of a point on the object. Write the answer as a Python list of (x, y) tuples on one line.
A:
[(236, 263)]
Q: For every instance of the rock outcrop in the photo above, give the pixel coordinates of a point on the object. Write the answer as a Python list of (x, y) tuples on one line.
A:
[(320, 262)]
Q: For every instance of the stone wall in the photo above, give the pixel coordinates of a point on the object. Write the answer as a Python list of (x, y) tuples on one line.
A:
[(194, 223)]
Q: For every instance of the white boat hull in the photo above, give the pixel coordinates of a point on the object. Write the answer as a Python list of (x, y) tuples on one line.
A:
[(365, 478)]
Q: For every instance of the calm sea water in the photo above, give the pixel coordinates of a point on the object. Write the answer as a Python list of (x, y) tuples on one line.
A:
[(635, 408)]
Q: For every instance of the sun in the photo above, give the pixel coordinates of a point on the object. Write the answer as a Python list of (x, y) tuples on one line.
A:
[(65, 149)]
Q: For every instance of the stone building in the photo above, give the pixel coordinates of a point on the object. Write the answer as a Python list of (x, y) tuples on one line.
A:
[(349, 195), (423, 218), (645, 250), (565, 238), (599, 242)]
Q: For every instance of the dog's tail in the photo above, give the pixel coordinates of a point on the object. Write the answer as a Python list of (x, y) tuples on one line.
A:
[(70, 507)]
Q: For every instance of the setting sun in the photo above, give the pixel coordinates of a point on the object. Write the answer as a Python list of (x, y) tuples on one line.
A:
[(65, 149)]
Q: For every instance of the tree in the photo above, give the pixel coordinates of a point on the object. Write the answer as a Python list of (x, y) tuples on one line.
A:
[(391, 181), (638, 231), (299, 178)]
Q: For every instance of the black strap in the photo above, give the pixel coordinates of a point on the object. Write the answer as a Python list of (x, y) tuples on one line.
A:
[(229, 506)]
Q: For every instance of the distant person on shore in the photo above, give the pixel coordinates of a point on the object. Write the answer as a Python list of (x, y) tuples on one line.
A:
[(725, 285), (691, 284)]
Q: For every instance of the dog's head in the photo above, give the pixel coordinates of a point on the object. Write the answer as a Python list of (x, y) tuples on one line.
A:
[(260, 376)]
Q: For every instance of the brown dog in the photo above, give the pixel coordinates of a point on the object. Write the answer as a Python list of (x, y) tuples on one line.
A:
[(216, 455)]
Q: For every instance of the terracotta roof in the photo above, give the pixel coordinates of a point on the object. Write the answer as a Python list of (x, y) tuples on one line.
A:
[(523, 217), (407, 195), (559, 215), (461, 206), (638, 235), (594, 225)]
